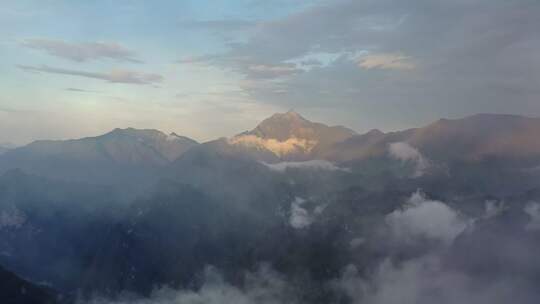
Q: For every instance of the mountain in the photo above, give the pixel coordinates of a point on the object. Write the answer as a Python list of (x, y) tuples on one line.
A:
[(121, 153), (482, 135), (48, 228), (122, 146), (320, 230), (289, 136), (14, 290), (171, 236), (508, 138), (139, 156)]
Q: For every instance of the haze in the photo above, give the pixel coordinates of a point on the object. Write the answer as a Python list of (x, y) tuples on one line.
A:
[(270, 152)]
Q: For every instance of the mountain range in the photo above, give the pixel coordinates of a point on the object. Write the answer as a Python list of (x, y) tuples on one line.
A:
[(282, 137), (472, 138)]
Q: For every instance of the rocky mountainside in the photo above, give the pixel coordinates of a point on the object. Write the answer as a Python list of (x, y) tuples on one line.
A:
[(128, 154), (289, 136), (122, 146)]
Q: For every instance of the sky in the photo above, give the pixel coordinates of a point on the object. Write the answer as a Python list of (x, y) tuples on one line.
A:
[(208, 69)]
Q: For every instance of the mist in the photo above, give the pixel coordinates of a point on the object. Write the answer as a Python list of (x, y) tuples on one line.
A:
[(270, 152)]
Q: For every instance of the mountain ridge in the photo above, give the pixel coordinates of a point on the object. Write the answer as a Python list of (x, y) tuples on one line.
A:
[(123, 157), (281, 137), (472, 138), (101, 144)]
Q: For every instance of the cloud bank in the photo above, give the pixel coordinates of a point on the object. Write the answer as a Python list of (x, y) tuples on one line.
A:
[(422, 218), (425, 280)]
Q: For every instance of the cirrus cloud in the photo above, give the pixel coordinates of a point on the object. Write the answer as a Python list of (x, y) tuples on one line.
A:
[(114, 76), (386, 61), (81, 52), (220, 25), (272, 70)]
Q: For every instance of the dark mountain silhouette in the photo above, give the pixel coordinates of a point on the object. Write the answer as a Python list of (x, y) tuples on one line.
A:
[(14, 290)]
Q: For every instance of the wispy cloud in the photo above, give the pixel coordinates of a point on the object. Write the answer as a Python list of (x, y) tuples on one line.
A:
[(12, 219), (114, 76), (272, 70), (80, 90), (386, 61), (15, 111), (265, 286), (310, 164), (404, 152), (220, 25), (194, 60), (533, 210), (81, 52)]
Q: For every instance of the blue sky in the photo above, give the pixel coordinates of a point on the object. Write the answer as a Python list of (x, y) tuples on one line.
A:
[(207, 69)]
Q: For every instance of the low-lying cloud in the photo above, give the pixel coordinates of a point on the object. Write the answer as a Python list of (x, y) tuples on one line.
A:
[(421, 218), (493, 209), (310, 164), (279, 148), (404, 152), (533, 210), (12, 218), (426, 280), (300, 217), (432, 275), (264, 286)]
